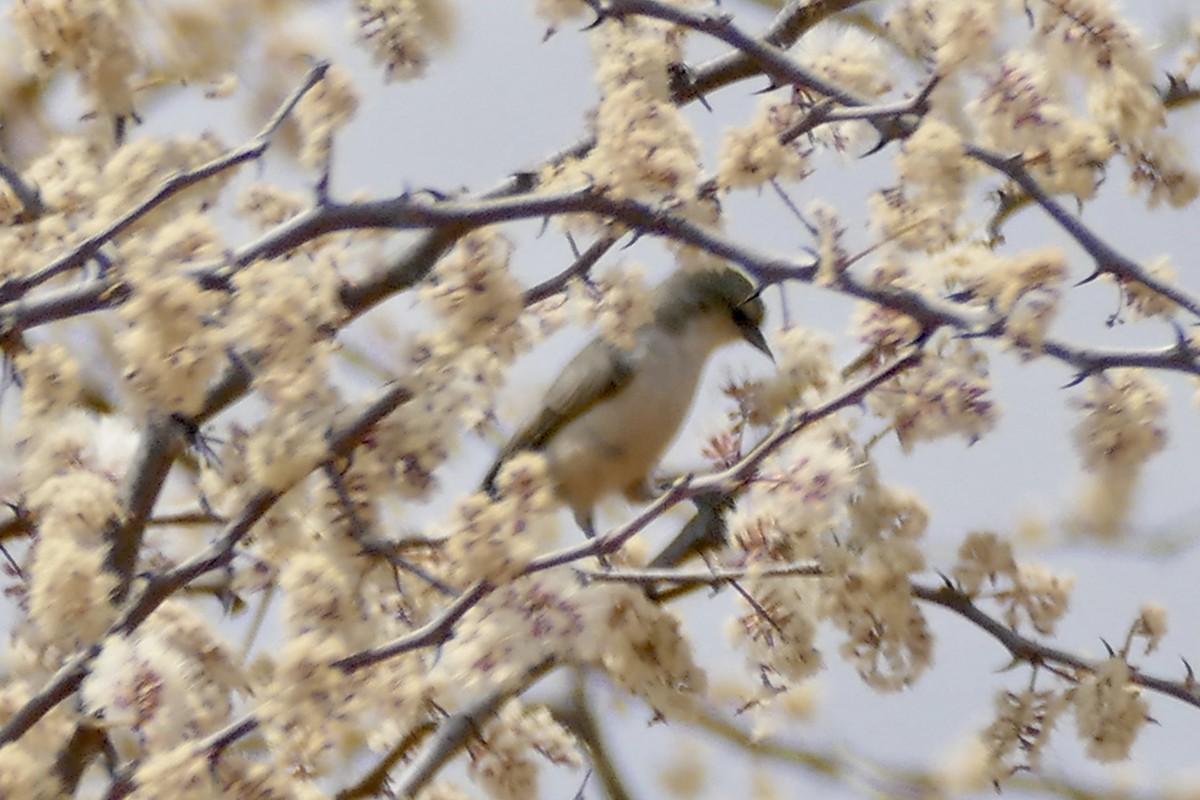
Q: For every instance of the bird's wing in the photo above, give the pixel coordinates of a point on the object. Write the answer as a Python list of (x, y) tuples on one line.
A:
[(598, 371)]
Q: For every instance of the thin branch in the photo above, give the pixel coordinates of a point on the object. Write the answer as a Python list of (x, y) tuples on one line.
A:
[(216, 556), (1022, 648), (457, 729), (706, 577), (250, 151), (435, 632), (579, 268), (1107, 258), (29, 197)]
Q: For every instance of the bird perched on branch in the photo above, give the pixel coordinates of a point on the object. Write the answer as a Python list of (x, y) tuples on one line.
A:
[(612, 412)]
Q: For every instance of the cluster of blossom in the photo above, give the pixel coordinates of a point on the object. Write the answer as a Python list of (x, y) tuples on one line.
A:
[(799, 496), (1122, 420), (1121, 428), (1025, 590), (786, 515), (1025, 289), (400, 34), (810, 500), (281, 317), (501, 757), (755, 154), (905, 223), (618, 303), (947, 393), (1141, 299), (93, 39), (615, 628), (641, 647), (323, 110), (476, 297), (804, 372), (948, 34), (1109, 710), (309, 711), (171, 344), (886, 331), (164, 685), (1018, 735), (867, 592), (495, 539), (932, 169), (507, 634), (645, 149), (69, 175), (266, 205), (1023, 109), (70, 489), (779, 633)]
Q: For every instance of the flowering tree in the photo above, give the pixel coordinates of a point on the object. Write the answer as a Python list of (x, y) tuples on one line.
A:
[(194, 441)]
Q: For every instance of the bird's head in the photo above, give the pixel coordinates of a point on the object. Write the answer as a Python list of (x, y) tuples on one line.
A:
[(724, 301)]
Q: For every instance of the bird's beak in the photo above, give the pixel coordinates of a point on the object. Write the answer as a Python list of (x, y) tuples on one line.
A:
[(752, 334)]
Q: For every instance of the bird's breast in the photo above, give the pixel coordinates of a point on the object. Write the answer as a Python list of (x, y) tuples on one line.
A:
[(617, 442)]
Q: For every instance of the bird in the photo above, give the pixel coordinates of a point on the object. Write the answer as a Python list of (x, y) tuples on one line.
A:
[(611, 413)]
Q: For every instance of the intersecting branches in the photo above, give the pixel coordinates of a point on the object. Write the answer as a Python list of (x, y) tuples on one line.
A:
[(250, 151), (161, 586)]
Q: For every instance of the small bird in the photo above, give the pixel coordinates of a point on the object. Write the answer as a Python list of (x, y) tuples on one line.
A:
[(609, 416)]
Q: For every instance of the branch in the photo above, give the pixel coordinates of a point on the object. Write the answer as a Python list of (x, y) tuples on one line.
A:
[(793, 21), (1107, 258), (1022, 648), (583, 264), (457, 730), (160, 444), (216, 556), (29, 197), (170, 187)]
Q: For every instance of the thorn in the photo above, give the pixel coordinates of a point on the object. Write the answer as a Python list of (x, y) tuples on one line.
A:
[(598, 10), (1079, 378), (1182, 344)]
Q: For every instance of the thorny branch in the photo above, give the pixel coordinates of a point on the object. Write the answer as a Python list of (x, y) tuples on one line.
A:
[(250, 151), (448, 219)]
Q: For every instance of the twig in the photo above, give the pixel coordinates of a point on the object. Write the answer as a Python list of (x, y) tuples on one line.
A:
[(30, 198), (457, 729), (1022, 648), (171, 186), (216, 556), (706, 577)]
